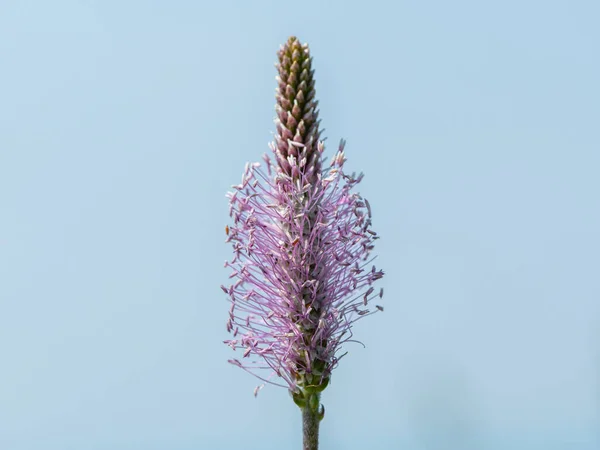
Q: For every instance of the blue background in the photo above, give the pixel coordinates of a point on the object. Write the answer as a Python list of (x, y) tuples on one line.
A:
[(124, 123)]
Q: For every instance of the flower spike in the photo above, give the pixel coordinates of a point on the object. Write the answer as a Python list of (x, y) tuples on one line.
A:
[(302, 273)]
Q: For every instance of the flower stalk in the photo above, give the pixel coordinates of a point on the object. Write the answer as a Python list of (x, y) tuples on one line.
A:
[(311, 418)]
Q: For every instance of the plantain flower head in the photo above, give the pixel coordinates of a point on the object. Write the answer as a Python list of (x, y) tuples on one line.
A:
[(301, 270)]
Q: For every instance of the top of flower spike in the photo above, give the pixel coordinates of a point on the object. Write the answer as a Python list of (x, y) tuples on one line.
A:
[(297, 115)]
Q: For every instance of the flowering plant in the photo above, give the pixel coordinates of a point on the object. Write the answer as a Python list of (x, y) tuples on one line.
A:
[(301, 251)]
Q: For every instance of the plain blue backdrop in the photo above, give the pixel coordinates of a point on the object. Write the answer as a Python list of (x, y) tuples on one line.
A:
[(124, 123)]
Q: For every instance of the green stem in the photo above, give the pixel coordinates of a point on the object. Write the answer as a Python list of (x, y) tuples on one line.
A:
[(310, 428), (312, 414)]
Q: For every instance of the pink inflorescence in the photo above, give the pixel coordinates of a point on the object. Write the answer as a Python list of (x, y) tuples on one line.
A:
[(270, 313), (301, 240)]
